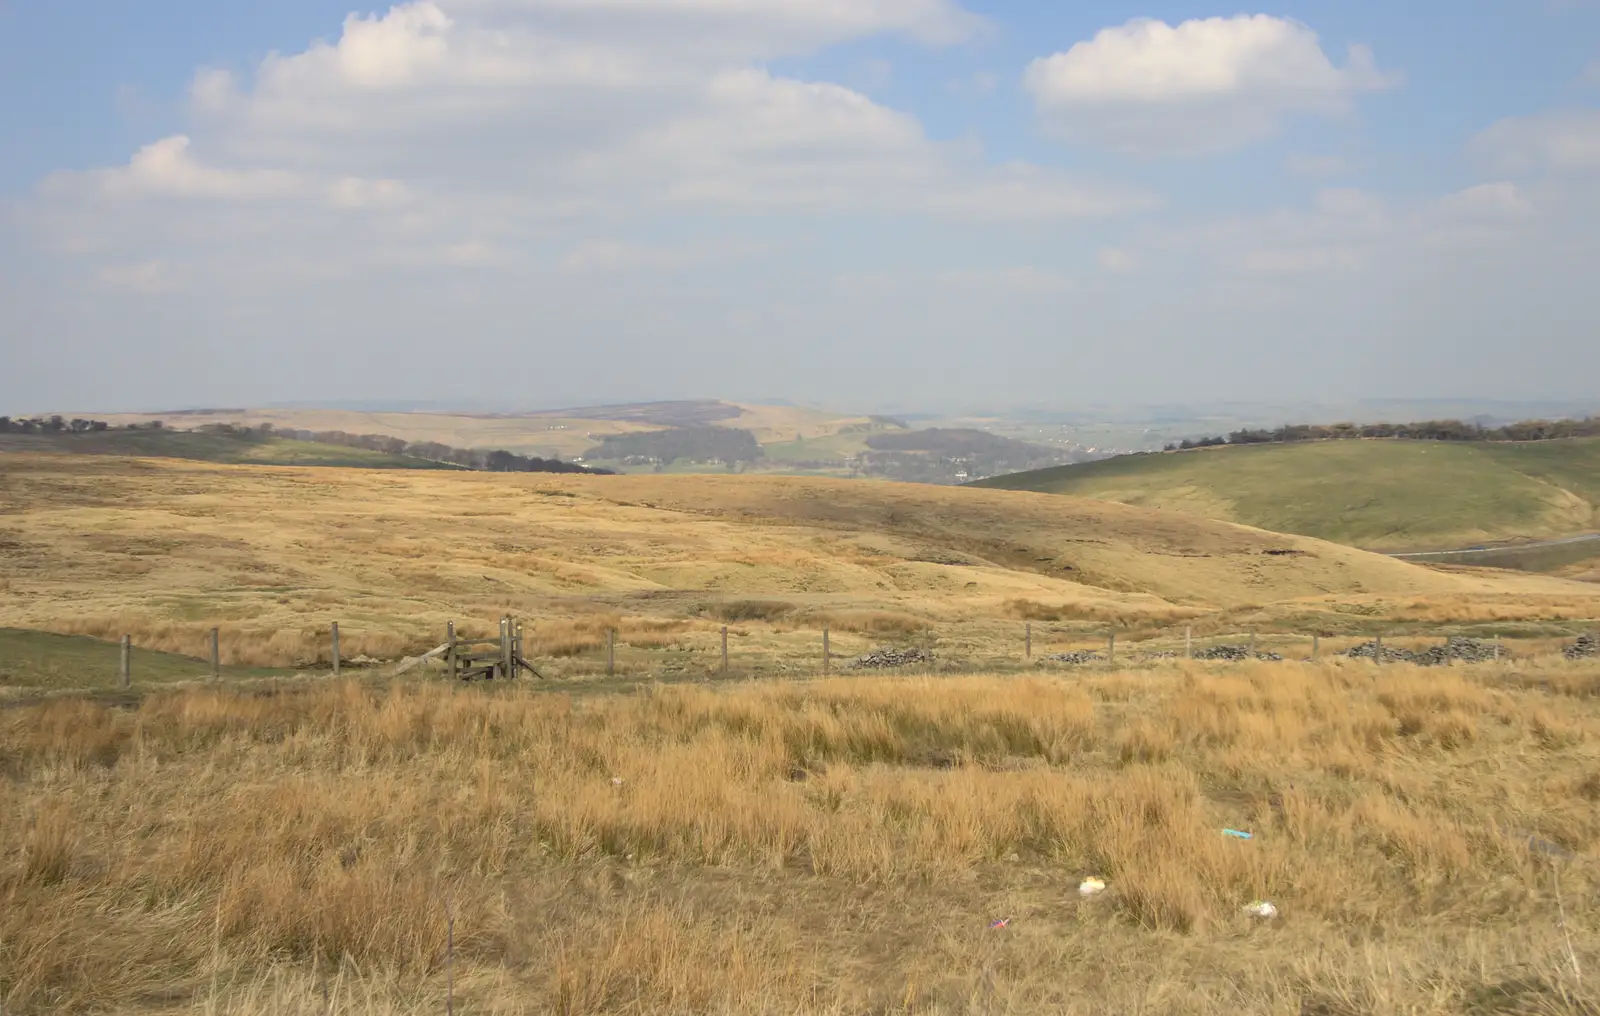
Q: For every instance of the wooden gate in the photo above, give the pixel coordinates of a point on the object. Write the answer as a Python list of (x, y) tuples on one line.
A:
[(487, 659)]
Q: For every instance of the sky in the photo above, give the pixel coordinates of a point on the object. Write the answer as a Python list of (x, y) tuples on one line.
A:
[(860, 203)]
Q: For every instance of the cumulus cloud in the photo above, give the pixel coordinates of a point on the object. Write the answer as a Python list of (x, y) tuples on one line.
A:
[(1206, 85), (1566, 141), (168, 169)]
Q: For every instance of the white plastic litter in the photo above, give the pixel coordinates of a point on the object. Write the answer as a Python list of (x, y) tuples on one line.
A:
[(1262, 909), (616, 781), (1091, 886)]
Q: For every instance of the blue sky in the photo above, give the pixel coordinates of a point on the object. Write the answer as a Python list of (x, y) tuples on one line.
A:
[(612, 199)]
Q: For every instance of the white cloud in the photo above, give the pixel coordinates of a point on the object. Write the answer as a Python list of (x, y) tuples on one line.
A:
[(1503, 200), (1202, 86), (1565, 142), (167, 169), (354, 192)]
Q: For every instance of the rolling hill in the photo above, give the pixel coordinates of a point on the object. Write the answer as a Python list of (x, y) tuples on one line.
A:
[(165, 549), (694, 436), (231, 449), (1386, 495)]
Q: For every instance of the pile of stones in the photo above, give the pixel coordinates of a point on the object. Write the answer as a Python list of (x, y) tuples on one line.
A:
[(883, 659), (1369, 651), (1233, 653), (1455, 648), (1586, 648), (1077, 656)]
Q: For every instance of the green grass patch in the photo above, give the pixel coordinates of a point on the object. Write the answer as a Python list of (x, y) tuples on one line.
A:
[(36, 660), (228, 449), (1380, 494)]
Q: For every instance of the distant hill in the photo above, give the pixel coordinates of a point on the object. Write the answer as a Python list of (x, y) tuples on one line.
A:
[(229, 449), (946, 455), (693, 444), (265, 445), (1392, 495)]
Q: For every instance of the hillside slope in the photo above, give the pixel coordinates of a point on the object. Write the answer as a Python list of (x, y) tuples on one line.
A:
[(169, 548), (230, 449), (1379, 494)]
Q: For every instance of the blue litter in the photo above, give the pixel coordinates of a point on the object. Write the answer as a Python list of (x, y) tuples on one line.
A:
[(1544, 846), (1236, 834)]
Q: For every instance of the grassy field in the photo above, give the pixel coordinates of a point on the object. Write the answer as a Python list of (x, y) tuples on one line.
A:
[(1379, 494), (814, 847), (163, 550), (230, 449), (32, 660)]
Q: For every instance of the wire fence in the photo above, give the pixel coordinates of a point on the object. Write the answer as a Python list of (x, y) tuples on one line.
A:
[(948, 649)]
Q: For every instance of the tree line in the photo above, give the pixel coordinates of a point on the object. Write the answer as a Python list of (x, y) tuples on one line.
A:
[(484, 460), (694, 444), (51, 425), (1428, 430)]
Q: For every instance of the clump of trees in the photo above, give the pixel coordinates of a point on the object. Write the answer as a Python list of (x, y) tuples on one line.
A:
[(487, 460), (693, 444), (52, 425), (1427, 430)]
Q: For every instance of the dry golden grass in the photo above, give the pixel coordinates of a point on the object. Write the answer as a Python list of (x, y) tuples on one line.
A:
[(813, 847), (529, 433), (165, 550)]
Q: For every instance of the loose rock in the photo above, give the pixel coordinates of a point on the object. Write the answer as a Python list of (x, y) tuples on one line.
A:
[(1080, 656), (1454, 648), (1232, 653), (1586, 648), (884, 659)]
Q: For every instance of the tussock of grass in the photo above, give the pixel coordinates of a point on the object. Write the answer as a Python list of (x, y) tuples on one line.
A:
[(833, 846)]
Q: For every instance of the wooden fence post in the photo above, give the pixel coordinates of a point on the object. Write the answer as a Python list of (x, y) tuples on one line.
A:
[(1111, 647), (1027, 641), (216, 655), (450, 654), (827, 653), (724, 650), (1252, 645), (125, 670), (1497, 648), (927, 647), (1316, 644), (505, 647), (1188, 642), (336, 649), (1377, 650), (517, 653), (611, 652)]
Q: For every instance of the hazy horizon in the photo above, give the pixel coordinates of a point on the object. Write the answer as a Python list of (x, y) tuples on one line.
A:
[(919, 203)]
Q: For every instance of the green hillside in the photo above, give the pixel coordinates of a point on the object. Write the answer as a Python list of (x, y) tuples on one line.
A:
[(1378, 494), (229, 449)]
